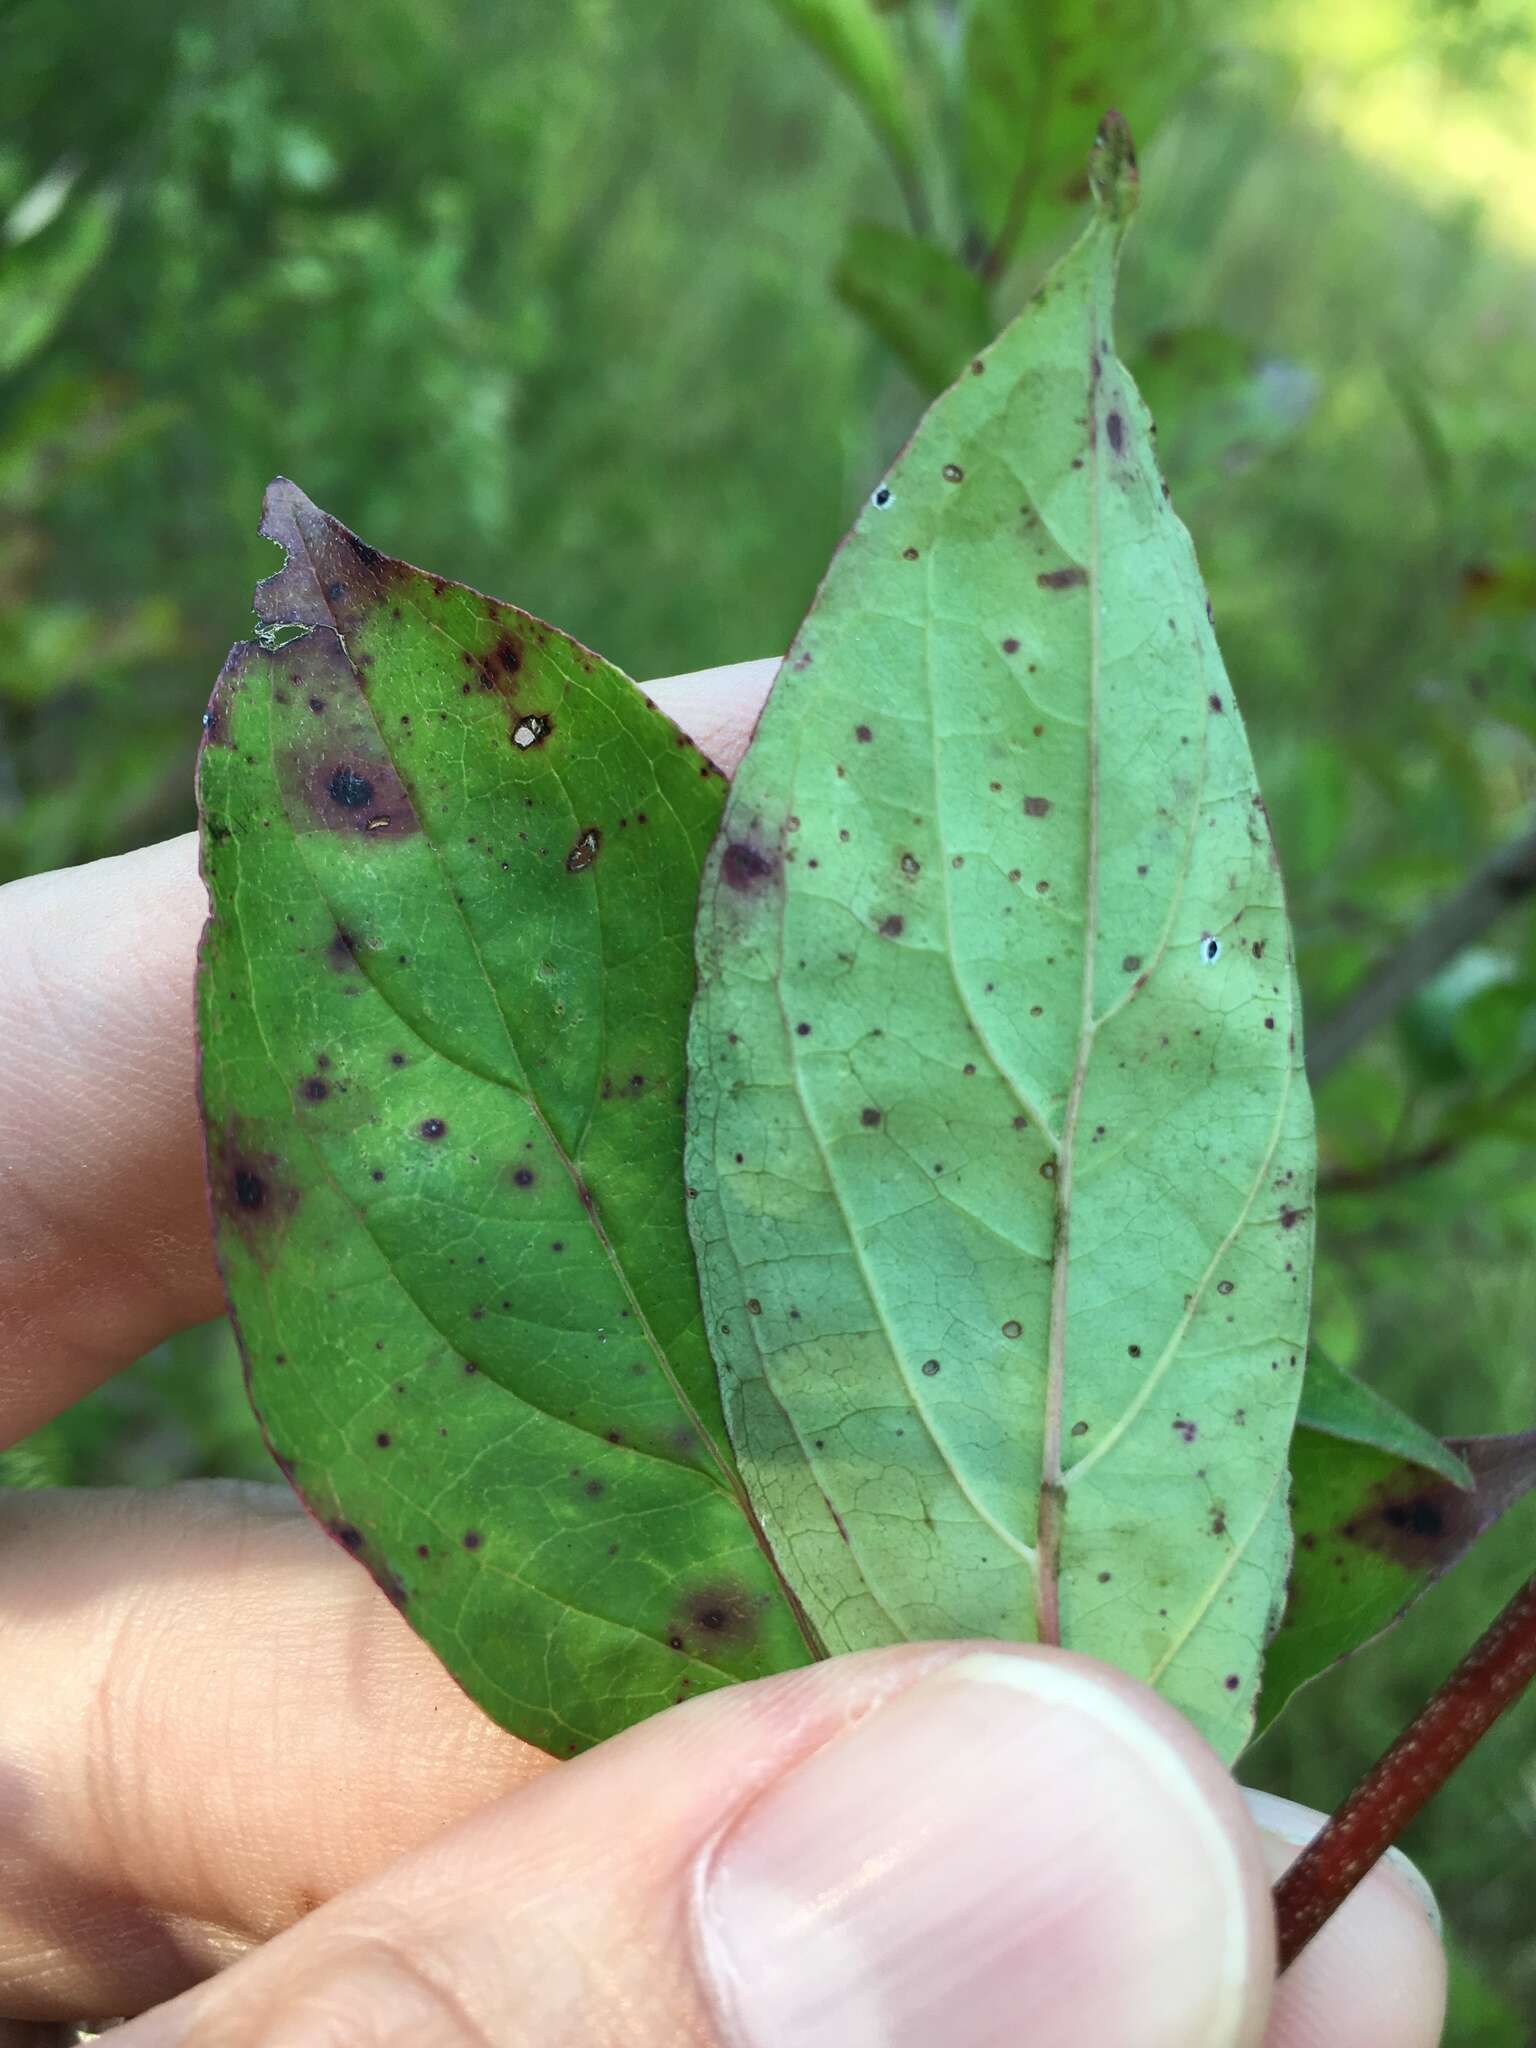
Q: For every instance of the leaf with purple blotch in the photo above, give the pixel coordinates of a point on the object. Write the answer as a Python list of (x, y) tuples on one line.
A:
[(452, 860)]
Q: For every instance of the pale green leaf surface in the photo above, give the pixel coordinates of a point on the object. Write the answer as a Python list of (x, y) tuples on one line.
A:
[(1003, 1186), (452, 860)]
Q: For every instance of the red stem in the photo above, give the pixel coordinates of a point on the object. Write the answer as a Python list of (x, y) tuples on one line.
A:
[(1491, 1677)]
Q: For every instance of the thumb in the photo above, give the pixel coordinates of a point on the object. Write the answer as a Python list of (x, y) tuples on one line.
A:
[(940, 1844)]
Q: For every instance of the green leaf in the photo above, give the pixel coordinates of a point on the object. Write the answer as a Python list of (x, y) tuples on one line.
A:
[(1429, 1022), (1033, 74), (1336, 1404), (40, 279), (452, 858), (998, 1124), (1381, 1510), (1476, 2016), (928, 309), (856, 45)]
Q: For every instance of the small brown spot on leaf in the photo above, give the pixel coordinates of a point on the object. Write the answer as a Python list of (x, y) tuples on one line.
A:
[(1036, 806), (1062, 579), (720, 1612), (585, 851), (251, 1189)]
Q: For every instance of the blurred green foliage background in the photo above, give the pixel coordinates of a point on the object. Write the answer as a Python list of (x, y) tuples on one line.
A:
[(608, 309)]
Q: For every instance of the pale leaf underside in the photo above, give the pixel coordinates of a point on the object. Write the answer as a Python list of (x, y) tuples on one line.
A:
[(999, 1137)]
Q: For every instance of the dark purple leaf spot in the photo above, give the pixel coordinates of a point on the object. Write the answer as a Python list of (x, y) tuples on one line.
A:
[(1131, 963), (1187, 1430), (350, 789), (745, 867), (1036, 806), (720, 1612), (869, 1118), (862, 732), (1062, 579), (471, 1539), (931, 1368), (433, 1127), (1010, 646), (892, 927), (953, 473), (1114, 426), (1013, 1328)]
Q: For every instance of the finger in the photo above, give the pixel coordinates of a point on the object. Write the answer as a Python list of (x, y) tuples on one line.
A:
[(718, 707), (211, 1720), (104, 1243), (902, 1848), (211, 1637), (1376, 1972), (104, 1240)]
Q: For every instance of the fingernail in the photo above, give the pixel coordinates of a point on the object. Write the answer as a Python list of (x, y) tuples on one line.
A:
[(1006, 1851), (1296, 1825)]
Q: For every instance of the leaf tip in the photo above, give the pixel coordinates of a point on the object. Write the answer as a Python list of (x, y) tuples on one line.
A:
[(1112, 171)]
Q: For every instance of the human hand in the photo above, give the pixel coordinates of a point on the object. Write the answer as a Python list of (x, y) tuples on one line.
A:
[(220, 1745)]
